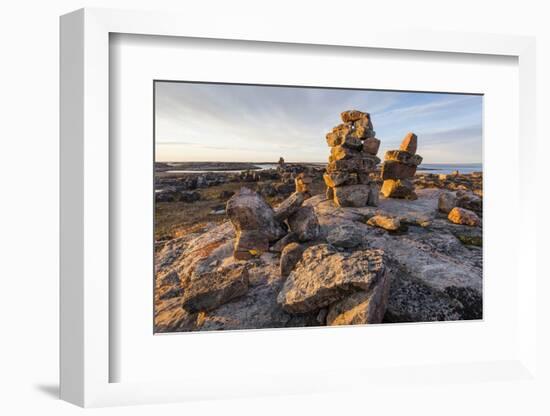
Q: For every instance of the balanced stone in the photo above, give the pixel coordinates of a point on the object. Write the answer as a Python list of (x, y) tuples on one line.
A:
[(398, 169), (371, 146), (409, 143)]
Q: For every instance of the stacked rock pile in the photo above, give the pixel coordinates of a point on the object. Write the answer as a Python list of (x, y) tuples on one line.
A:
[(398, 169), (352, 160)]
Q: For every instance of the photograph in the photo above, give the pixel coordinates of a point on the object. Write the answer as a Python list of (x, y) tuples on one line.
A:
[(279, 206)]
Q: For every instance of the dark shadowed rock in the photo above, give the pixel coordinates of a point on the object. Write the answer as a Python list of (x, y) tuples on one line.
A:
[(212, 289), (280, 245), (336, 178), (371, 146), (346, 235), (304, 224), (250, 244), (289, 257), (409, 143), (391, 169), (289, 206), (398, 188), (363, 307), (469, 200), (324, 275), (351, 195), (374, 195)]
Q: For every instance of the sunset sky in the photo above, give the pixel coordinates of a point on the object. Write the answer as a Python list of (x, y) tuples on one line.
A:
[(246, 123)]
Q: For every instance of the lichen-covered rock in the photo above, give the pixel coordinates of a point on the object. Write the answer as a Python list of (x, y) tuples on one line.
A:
[(324, 276), (409, 143), (353, 115), (211, 289), (346, 235), (363, 307), (464, 216), (385, 222), (447, 201), (289, 206), (304, 224), (289, 257), (351, 195)]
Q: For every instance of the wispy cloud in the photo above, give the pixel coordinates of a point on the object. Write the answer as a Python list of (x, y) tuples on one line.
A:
[(238, 122)]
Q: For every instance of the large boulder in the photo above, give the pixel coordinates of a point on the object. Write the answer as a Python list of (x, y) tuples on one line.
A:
[(363, 307), (304, 224), (254, 221), (324, 276), (211, 289)]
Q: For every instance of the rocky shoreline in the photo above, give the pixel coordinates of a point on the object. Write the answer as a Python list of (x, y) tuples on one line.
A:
[(285, 252)]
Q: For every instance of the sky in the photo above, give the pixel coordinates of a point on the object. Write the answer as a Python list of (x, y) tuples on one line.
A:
[(249, 123)]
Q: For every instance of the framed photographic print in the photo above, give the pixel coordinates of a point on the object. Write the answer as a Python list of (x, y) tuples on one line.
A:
[(249, 215)]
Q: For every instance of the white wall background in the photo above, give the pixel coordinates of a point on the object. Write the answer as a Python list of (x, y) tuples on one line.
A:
[(29, 208)]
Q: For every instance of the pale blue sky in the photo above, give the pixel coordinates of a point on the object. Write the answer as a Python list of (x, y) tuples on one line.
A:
[(247, 123)]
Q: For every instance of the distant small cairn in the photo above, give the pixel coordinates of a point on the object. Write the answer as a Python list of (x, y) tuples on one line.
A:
[(352, 160), (399, 168)]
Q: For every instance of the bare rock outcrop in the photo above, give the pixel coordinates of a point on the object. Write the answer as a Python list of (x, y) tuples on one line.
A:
[(255, 224), (324, 276)]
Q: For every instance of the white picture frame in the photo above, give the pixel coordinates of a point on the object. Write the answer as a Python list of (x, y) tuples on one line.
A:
[(85, 216)]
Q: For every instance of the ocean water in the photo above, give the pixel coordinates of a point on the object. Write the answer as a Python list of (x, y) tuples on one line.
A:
[(449, 167)]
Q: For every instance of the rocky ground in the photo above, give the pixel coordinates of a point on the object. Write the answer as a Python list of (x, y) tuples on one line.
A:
[(401, 261)]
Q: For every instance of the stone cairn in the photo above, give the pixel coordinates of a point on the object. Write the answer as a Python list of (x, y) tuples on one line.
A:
[(352, 160), (399, 168)]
